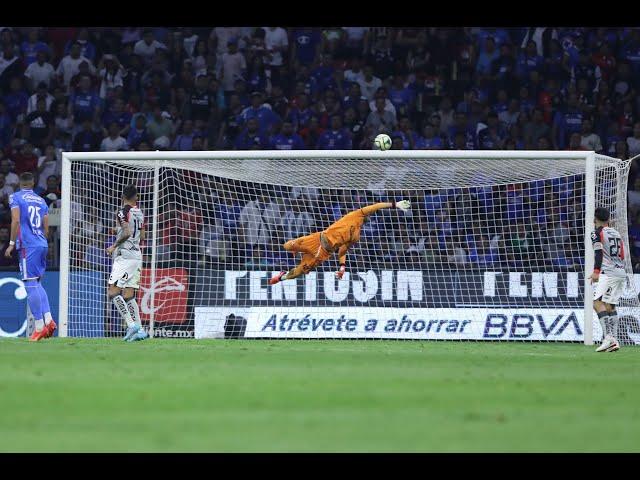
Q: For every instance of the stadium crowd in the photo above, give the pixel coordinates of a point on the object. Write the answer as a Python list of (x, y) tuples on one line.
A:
[(110, 89)]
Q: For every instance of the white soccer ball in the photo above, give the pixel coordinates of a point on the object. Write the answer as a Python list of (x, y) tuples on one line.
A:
[(382, 142)]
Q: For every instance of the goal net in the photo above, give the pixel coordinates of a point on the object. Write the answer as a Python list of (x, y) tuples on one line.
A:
[(496, 245)]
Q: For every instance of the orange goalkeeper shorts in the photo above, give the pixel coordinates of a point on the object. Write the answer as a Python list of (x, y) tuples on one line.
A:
[(310, 247)]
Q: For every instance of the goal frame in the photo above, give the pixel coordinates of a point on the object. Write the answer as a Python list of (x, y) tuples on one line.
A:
[(160, 158)]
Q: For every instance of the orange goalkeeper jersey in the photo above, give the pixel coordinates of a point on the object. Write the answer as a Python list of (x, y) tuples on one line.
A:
[(346, 231)]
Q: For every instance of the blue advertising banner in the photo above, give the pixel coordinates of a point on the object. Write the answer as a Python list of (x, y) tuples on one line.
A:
[(13, 302), (87, 304)]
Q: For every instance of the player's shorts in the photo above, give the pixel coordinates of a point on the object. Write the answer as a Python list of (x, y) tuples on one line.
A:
[(33, 262), (125, 272), (313, 254), (308, 245), (609, 289)]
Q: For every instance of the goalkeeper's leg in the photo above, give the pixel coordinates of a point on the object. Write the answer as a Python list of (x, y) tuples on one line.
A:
[(308, 263), (49, 325)]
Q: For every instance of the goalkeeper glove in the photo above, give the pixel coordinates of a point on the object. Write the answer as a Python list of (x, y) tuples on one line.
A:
[(340, 273), (403, 205)]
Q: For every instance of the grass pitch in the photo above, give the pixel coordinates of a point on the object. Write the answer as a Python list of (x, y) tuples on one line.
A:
[(331, 396)]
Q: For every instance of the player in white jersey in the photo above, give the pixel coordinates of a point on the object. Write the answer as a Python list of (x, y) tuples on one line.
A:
[(609, 276), (124, 280)]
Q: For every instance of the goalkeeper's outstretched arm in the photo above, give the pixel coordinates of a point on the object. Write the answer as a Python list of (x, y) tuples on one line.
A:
[(369, 209)]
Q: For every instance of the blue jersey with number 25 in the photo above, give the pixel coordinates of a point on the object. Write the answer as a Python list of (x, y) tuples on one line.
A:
[(32, 211)]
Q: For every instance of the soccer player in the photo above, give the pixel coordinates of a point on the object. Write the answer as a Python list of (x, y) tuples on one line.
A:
[(338, 238), (30, 226), (124, 280), (611, 277)]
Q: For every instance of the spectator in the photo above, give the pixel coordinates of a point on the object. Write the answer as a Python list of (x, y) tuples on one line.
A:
[(39, 126), (113, 142), (566, 122), (25, 159), (492, 137), (589, 140), (87, 49), (160, 125), (297, 222), (380, 120), (111, 75), (48, 165), (287, 139), (85, 104), (86, 140), (487, 56), (39, 72), (307, 43), (633, 142), (43, 94), (147, 47), (4, 244), (5, 190), (250, 136), (52, 193), (262, 112), (354, 74), (138, 134), (234, 66), (277, 44), (10, 66), (30, 48), (406, 133), (312, 133), (336, 138), (70, 66), (184, 141), (510, 116), (259, 221), (6, 127), (535, 128), (7, 169), (429, 140), (575, 142), (16, 100), (369, 84)]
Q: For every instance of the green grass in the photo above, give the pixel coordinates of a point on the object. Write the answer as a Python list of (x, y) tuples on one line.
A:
[(357, 396)]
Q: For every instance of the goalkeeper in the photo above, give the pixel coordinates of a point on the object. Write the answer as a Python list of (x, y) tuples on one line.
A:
[(319, 246)]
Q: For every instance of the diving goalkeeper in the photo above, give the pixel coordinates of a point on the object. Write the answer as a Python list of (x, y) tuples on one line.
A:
[(338, 238)]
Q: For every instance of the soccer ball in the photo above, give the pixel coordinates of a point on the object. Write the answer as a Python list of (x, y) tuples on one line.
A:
[(382, 142)]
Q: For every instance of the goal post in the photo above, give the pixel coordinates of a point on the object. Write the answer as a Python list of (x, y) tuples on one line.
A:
[(496, 245)]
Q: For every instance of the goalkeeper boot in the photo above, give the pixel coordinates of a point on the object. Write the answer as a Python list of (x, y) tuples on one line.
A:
[(609, 344), (131, 332), (276, 278), (38, 335), (140, 335), (50, 328)]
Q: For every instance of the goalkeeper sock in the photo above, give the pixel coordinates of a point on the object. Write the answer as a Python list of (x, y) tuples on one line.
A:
[(121, 306), (46, 309), (35, 302), (602, 317), (134, 310)]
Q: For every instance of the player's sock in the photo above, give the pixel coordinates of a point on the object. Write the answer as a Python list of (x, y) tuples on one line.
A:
[(602, 317), (46, 309), (121, 306), (134, 310), (35, 302), (613, 324)]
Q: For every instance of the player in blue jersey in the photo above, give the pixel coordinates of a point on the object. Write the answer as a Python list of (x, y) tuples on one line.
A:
[(29, 231)]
